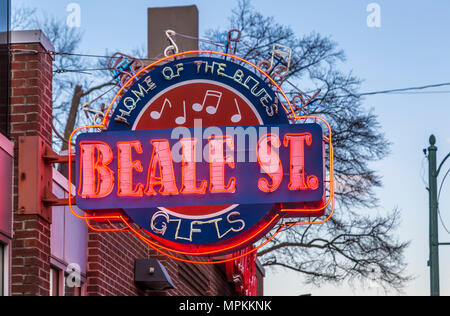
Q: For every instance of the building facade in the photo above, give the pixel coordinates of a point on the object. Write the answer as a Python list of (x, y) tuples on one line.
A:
[(44, 249)]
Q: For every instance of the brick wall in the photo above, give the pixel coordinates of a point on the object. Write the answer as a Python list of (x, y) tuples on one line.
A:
[(30, 114), (31, 93), (30, 265), (110, 269)]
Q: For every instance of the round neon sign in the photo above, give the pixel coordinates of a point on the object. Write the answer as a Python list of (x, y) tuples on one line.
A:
[(211, 92), (207, 207)]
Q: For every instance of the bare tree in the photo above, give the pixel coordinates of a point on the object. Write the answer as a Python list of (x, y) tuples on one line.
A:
[(74, 84), (73, 81), (351, 245), (22, 18)]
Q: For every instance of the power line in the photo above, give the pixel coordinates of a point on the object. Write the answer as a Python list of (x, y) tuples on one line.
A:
[(408, 90), (422, 171), (442, 183), (60, 71), (405, 89), (423, 92), (96, 56), (200, 39), (439, 195), (442, 221), (53, 53), (390, 91)]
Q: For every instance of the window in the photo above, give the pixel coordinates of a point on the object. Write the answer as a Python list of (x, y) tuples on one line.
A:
[(73, 291), (2, 270), (60, 287), (55, 282)]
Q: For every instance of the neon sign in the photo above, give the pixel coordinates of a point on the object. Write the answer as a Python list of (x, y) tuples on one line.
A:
[(199, 153), (242, 273), (284, 165)]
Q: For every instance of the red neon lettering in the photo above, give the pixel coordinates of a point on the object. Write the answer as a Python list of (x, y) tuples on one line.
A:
[(270, 162), (97, 179), (217, 163), (126, 165), (161, 156), (189, 168), (299, 181)]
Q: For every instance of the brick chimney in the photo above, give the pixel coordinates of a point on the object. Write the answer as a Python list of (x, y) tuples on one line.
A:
[(31, 85), (30, 115)]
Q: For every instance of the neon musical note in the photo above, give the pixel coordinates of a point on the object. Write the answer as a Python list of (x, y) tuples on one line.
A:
[(182, 119), (282, 50), (237, 117), (172, 49), (157, 115), (210, 96)]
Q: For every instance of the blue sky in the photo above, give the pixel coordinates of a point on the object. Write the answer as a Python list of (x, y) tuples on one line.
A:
[(409, 49)]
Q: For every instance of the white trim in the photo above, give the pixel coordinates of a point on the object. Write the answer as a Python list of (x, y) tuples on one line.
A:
[(62, 181), (5, 271), (34, 36), (61, 281)]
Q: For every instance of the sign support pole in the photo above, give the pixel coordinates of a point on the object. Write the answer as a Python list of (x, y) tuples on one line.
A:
[(433, 262)]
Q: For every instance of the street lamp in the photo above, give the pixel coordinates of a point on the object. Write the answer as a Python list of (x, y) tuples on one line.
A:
[(433, 262)]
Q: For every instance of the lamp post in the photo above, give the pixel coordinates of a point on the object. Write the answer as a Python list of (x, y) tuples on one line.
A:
[(433, 238), (433, 262)]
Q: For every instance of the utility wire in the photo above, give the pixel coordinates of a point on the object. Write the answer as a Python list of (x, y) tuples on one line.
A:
[(60, 71), (439, 195), (94, 56), (53, 53), (442, 183), (442, 222), (200, 39), (407, 90), (422, 171), (423, 92), (391, 91), (404, 89)]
